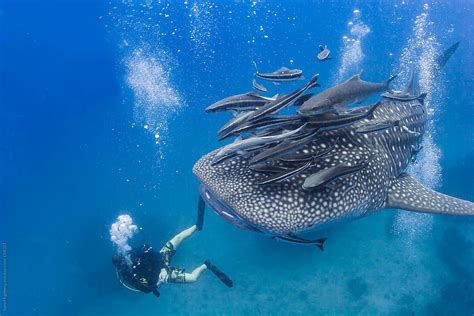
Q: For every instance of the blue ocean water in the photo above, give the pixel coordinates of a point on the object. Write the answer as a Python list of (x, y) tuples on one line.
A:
[(101, 109)]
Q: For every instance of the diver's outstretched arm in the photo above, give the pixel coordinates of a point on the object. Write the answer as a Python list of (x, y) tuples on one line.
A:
[(176, 240), (193, 276)]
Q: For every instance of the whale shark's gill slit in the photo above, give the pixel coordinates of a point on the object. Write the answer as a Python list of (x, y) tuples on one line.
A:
[(224, 210), (420, 56)]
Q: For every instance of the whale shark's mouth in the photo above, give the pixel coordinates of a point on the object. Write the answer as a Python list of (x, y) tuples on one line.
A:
[(224, 210)]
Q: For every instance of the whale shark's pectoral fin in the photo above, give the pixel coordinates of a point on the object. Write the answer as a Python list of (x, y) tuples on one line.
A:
[(409, 194)]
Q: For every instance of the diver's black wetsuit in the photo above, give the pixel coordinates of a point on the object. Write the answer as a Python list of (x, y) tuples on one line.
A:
[(143, 274)]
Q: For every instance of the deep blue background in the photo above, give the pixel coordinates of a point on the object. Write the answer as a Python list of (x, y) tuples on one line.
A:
[(67, 149)]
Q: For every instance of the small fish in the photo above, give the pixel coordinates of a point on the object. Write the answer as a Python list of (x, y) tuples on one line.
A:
[(288, 145), (232, 124), (283, 101), (336, 98), (258, 86), (282, 74), (298, 240), (306, 157), (324, 53), (287, 175), (323, 177), (240, 102), (268, 132), (243, 144), (400, 96), (268, 168), (267, 123), (377, 126), (238, 153), (329, 121)]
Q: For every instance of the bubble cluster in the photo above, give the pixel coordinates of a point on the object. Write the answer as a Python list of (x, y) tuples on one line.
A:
[(140, 29), (352, 54), (201, 28), (120, 232), (419, 56), (155, 97)]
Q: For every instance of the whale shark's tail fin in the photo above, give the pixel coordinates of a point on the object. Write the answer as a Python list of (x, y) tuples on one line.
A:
[(413, 87), (408, 194), (443, 59)]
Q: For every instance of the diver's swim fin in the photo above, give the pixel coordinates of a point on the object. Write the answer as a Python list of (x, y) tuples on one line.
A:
[(200, 217), (156, 292), (221, 275)]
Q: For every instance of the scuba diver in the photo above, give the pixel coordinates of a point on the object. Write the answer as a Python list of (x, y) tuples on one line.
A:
[(143, 269)]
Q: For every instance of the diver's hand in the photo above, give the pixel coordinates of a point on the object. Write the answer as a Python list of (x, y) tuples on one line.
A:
[(163, 277)]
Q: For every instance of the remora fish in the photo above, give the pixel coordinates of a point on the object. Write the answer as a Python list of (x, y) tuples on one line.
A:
[(243, 144), (322, 177), (234, 192), (283, 101), (232, 124), (286, 175), (265, 122), (282, 148), (298, 240), (240, 102), (376, 126), (336, 98), (404, 96), (282, 74), (332, 120), (258, 86)]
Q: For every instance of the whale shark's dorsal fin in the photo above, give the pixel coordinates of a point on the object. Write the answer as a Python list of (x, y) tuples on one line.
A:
[(410, 88), (409, 194), (356, 77)]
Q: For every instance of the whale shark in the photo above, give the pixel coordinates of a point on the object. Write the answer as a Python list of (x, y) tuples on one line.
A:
[(339, 174)]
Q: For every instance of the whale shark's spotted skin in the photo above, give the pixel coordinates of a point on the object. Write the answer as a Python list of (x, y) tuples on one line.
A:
[(286, 208)]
